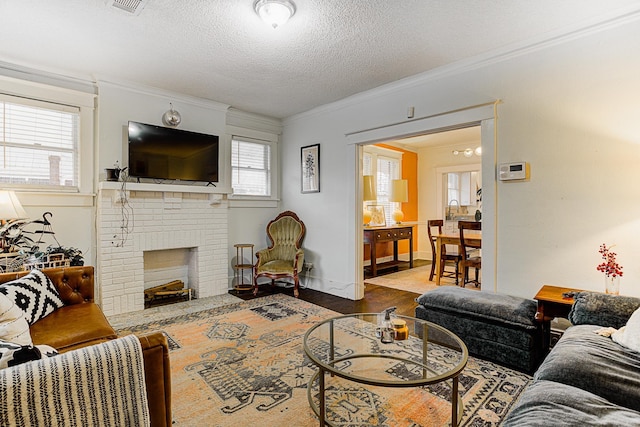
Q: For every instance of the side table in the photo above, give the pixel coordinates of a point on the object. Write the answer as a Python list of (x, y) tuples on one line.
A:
[(552, 304), (241, 265)]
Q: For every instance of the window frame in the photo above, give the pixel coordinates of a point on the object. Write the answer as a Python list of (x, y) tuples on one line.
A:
[(74, 150), (239, 196), (84, 101), (266, 136), (377, 153)]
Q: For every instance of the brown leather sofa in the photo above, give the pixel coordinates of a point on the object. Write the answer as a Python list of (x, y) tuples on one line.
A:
[(81, 323)]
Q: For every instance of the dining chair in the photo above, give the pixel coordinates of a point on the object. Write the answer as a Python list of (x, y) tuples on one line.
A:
[(432, 226), (469, 252)]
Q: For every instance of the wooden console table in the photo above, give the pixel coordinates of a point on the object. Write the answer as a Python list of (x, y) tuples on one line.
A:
[(373, 235)]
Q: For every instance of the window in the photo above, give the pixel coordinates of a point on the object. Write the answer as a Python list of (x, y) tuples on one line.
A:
[(39, 144), (385, 165), (250, 167), (462, 188)]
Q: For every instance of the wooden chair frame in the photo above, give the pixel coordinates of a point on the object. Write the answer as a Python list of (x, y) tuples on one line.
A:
[(455, 258), (466, 261)]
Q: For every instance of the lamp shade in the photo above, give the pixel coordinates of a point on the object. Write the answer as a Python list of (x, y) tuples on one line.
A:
[(10, 206), (369, 188), (399, 191)]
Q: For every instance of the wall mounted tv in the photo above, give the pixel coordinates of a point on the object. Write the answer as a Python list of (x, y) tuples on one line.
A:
[(166, 153)]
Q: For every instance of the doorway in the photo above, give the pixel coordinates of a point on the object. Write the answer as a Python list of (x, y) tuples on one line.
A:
[(444, 176), (482, 116)]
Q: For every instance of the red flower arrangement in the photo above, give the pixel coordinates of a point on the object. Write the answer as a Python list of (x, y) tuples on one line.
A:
[(609, 267)]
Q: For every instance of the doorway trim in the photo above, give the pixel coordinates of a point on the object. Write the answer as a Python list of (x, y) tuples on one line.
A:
[(483, 115)]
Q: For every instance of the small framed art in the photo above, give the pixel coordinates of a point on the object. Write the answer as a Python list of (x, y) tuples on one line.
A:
[(310, 168), (378, 218)]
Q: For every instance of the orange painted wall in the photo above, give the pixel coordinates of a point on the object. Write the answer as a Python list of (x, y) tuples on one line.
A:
[(410, 208)]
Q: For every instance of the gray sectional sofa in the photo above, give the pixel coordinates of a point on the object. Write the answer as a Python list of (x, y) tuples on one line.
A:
[(587, 379)]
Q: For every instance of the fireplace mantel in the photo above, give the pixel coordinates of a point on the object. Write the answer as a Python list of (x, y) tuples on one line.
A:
[(170, 188)]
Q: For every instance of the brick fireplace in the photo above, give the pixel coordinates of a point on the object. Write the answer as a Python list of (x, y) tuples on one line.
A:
[(147, 220)]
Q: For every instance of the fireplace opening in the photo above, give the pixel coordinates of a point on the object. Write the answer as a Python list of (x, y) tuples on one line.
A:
[(168, 274)]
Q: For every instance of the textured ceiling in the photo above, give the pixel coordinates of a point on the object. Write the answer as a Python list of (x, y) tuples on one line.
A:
[(330, 49)]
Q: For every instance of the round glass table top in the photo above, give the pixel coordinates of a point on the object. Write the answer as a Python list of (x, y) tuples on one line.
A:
[(351, 346)]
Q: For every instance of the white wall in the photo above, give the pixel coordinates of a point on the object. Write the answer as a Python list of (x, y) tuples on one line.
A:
[(568, 108)]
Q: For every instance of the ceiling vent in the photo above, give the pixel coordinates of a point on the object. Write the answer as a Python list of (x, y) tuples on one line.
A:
[(134, 7)]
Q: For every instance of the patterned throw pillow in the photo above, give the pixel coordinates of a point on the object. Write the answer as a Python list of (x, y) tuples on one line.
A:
[(12, 354), (13, 326), (35, 294)]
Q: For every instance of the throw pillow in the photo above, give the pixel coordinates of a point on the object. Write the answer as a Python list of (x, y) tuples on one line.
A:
[(35, 294), (12, 354), (13, 326), (629, 335)]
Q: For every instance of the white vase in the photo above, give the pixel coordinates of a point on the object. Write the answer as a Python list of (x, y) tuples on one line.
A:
[(612, 284)]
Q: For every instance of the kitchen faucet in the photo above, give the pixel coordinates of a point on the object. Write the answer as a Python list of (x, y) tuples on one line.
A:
[(449, 208)]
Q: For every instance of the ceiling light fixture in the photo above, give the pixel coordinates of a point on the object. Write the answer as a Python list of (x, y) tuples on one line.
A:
[(275, 12), (468, 152)]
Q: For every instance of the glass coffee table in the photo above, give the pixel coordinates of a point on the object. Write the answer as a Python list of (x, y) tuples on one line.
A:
[(349, 347)]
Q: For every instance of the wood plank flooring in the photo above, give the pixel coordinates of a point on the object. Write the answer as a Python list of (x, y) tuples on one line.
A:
[(376, 298)]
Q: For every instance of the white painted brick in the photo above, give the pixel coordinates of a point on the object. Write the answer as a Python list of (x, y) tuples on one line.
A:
[(161, 221)]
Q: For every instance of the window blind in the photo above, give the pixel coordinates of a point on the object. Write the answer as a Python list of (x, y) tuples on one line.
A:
[(39, 143), (250, 167), (388, 170)]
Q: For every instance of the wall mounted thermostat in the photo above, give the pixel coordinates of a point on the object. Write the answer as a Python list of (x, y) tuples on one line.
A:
[(513, 171)]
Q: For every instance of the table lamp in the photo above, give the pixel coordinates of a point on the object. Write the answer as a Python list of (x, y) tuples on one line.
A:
[(368, 194), (399, 193), (10, 209), (10, 206)]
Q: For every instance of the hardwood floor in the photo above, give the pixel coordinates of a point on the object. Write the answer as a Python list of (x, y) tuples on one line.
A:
[(376, 298)]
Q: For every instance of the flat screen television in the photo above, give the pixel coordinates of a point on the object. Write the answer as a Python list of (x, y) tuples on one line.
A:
[(158, 152)]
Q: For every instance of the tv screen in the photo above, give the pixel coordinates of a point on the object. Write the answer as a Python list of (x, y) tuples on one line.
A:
[(165, 153)]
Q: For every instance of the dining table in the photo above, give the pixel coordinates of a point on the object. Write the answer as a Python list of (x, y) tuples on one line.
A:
[(452, 239)]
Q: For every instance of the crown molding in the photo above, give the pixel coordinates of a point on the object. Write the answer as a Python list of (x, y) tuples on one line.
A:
[(49, 78), (162, 93)]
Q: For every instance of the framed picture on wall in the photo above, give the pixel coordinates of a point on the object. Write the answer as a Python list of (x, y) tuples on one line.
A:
[(310, 168)]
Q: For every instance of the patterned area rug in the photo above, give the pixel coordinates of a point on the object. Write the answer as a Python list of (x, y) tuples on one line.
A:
[(243, 364)]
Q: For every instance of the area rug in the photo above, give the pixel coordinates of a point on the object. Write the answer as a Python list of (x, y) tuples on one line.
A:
[(412, 280), (243, 364)]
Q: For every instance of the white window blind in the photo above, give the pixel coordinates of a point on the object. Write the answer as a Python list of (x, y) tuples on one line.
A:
[(388, 170), (367, 167), (250, 167), (39, 143), (385, 165)]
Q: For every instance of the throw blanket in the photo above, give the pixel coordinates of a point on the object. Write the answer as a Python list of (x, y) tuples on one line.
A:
[(627, 336), (100, 385)]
